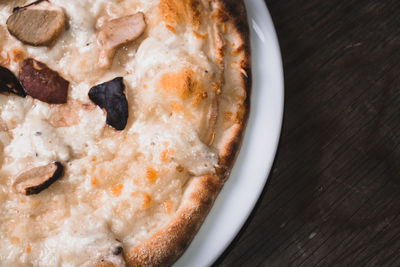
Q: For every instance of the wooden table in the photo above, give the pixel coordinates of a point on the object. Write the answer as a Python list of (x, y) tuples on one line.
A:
[(333, 196)]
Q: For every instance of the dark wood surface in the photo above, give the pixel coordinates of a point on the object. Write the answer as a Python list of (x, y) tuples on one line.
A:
[(333, 196)]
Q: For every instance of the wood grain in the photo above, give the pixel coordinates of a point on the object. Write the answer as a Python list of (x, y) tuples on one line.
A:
[(333, 195)]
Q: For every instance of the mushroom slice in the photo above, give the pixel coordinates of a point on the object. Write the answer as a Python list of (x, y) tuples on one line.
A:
[(38, 24), (37, 179), (43, 83), (9, 83), (117, 32), (111, 97)]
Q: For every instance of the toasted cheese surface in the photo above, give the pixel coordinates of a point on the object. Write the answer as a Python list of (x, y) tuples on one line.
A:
[(119, 187)]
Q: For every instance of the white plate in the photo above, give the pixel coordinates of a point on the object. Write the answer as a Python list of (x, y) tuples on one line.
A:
[(249, 175)]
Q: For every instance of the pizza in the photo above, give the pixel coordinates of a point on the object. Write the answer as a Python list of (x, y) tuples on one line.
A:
[(119, 124)]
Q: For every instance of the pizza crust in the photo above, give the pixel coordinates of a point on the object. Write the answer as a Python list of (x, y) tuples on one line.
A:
[(163, 248), (169, 243)]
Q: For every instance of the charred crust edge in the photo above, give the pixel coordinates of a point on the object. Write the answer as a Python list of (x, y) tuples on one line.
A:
[(236, 13)]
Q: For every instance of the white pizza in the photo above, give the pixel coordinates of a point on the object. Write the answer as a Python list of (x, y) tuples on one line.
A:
[(119, 123)]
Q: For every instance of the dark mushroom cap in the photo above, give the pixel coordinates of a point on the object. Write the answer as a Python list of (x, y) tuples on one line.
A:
[(9, 83), (111, 97)]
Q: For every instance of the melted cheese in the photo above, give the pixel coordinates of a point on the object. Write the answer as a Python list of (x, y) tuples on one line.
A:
[(119, 187)]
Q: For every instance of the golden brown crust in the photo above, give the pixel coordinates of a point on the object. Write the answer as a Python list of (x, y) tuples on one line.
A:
[(165, 246)]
